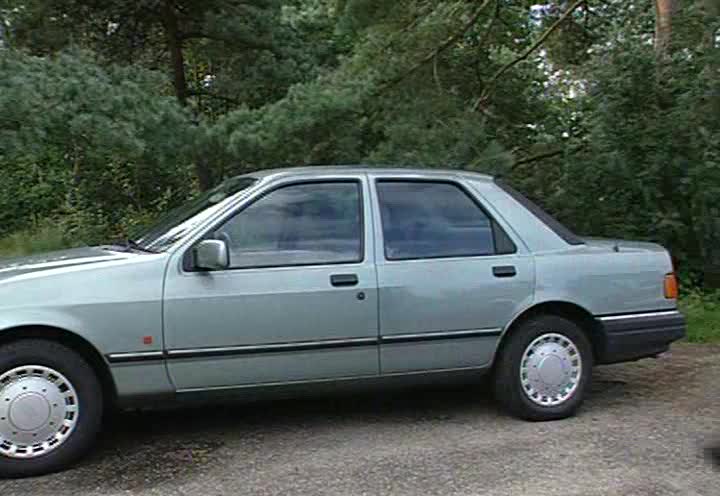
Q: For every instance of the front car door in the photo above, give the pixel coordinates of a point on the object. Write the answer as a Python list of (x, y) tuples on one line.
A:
[(450, 277), (299, 301)]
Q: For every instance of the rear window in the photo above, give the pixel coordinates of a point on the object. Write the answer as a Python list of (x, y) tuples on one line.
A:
[(544, 217)]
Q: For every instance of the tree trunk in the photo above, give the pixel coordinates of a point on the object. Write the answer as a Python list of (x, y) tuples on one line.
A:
[(204, 173), (174, 45), (664, 12), (169, 20)]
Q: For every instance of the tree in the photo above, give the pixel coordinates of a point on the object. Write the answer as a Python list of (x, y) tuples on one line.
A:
[(665, 10), (79, 138), (206, 46)]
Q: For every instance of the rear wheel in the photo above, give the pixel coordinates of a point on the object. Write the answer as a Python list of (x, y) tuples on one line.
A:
[(50, 407), (544, 369)]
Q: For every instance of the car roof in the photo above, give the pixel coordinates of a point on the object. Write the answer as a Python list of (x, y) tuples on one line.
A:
[(326, 170)]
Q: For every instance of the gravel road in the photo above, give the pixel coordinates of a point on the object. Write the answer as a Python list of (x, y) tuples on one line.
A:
[(641, 432)]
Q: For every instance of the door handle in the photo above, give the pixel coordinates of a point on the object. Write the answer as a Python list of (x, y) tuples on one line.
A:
[(504, 271), (338, 280)]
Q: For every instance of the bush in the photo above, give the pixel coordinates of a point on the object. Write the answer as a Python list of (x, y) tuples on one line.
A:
[(703, 313), (43, 239)]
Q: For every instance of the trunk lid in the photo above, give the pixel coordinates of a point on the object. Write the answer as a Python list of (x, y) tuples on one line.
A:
[(621, 245)]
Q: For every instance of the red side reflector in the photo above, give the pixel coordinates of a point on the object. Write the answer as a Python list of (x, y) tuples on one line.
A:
[(147, 340)]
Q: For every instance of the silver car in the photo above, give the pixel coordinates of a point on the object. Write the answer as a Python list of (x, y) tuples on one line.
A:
[(322, 277)]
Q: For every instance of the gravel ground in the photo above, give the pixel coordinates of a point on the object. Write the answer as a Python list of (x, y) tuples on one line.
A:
[(641, 432)]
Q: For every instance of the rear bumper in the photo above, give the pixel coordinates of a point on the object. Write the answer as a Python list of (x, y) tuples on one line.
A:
[(633, 336)]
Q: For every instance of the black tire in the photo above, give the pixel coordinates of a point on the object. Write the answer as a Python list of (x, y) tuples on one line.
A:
[(90, 398), (507, 384)]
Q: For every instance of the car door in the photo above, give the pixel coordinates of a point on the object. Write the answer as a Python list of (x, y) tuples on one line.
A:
[(298, 303), (449, 276)]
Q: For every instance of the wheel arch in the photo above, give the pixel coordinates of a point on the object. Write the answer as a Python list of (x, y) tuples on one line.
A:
[(72, 341), (565, 309)]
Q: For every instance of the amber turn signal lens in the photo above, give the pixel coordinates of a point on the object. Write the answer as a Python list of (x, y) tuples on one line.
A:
[(671, 287)]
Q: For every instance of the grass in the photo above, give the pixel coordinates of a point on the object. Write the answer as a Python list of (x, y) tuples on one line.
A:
[(703, 315), (43, 239)]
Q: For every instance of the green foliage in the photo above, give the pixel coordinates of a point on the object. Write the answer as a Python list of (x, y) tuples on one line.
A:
[(315, 123), (75, 136), (650, 152), (235, 53), (31, 189), (46, 237), (703, 315), (384, 103)]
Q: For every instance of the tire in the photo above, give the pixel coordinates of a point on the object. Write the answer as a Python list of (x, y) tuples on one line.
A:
[(550, 386), (65, 396)]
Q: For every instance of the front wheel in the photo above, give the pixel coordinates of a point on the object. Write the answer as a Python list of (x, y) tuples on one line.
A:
[(544, 369), (50, 407)]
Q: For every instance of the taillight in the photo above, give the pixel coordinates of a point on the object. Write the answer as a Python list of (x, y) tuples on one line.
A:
[(671, 286)]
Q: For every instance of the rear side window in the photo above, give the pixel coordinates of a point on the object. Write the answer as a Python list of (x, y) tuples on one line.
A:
[(426, 219), (566, 234)]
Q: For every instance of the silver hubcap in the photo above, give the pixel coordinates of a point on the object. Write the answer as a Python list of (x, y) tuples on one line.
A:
[(38, 411), (550, 370)]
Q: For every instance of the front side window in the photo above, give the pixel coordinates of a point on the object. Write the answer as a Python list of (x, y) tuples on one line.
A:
[(423, 219), (301, 224)]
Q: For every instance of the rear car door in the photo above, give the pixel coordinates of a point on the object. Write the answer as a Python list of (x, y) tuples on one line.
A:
[(450, 277), (298, 302)]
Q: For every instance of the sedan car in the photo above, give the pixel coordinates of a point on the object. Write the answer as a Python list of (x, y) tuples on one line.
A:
[(284, 280)]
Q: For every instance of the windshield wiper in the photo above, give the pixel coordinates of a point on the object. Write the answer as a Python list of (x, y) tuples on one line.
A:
[(134, 245)]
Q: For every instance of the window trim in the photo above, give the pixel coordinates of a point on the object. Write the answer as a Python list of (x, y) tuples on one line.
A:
[(188, 262), (494, 224)]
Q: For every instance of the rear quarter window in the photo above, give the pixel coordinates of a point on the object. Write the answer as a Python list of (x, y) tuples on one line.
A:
[(551, 222)]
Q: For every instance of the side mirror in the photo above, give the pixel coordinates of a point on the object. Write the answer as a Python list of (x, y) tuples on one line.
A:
[(212, 254)]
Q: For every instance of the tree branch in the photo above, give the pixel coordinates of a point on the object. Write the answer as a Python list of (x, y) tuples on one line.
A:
[(254, 45), (536, 158), (485, 37), (526, 53), (411, 25), (436, 75), (432, 55), (214, 95)]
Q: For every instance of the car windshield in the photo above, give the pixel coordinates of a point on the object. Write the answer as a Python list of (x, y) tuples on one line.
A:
[(174, 225)]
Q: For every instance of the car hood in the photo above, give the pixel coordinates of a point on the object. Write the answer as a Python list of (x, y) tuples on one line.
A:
[(11, 267)]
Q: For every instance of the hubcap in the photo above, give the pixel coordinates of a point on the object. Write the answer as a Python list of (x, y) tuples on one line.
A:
[(550, 369), (38, 411)]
